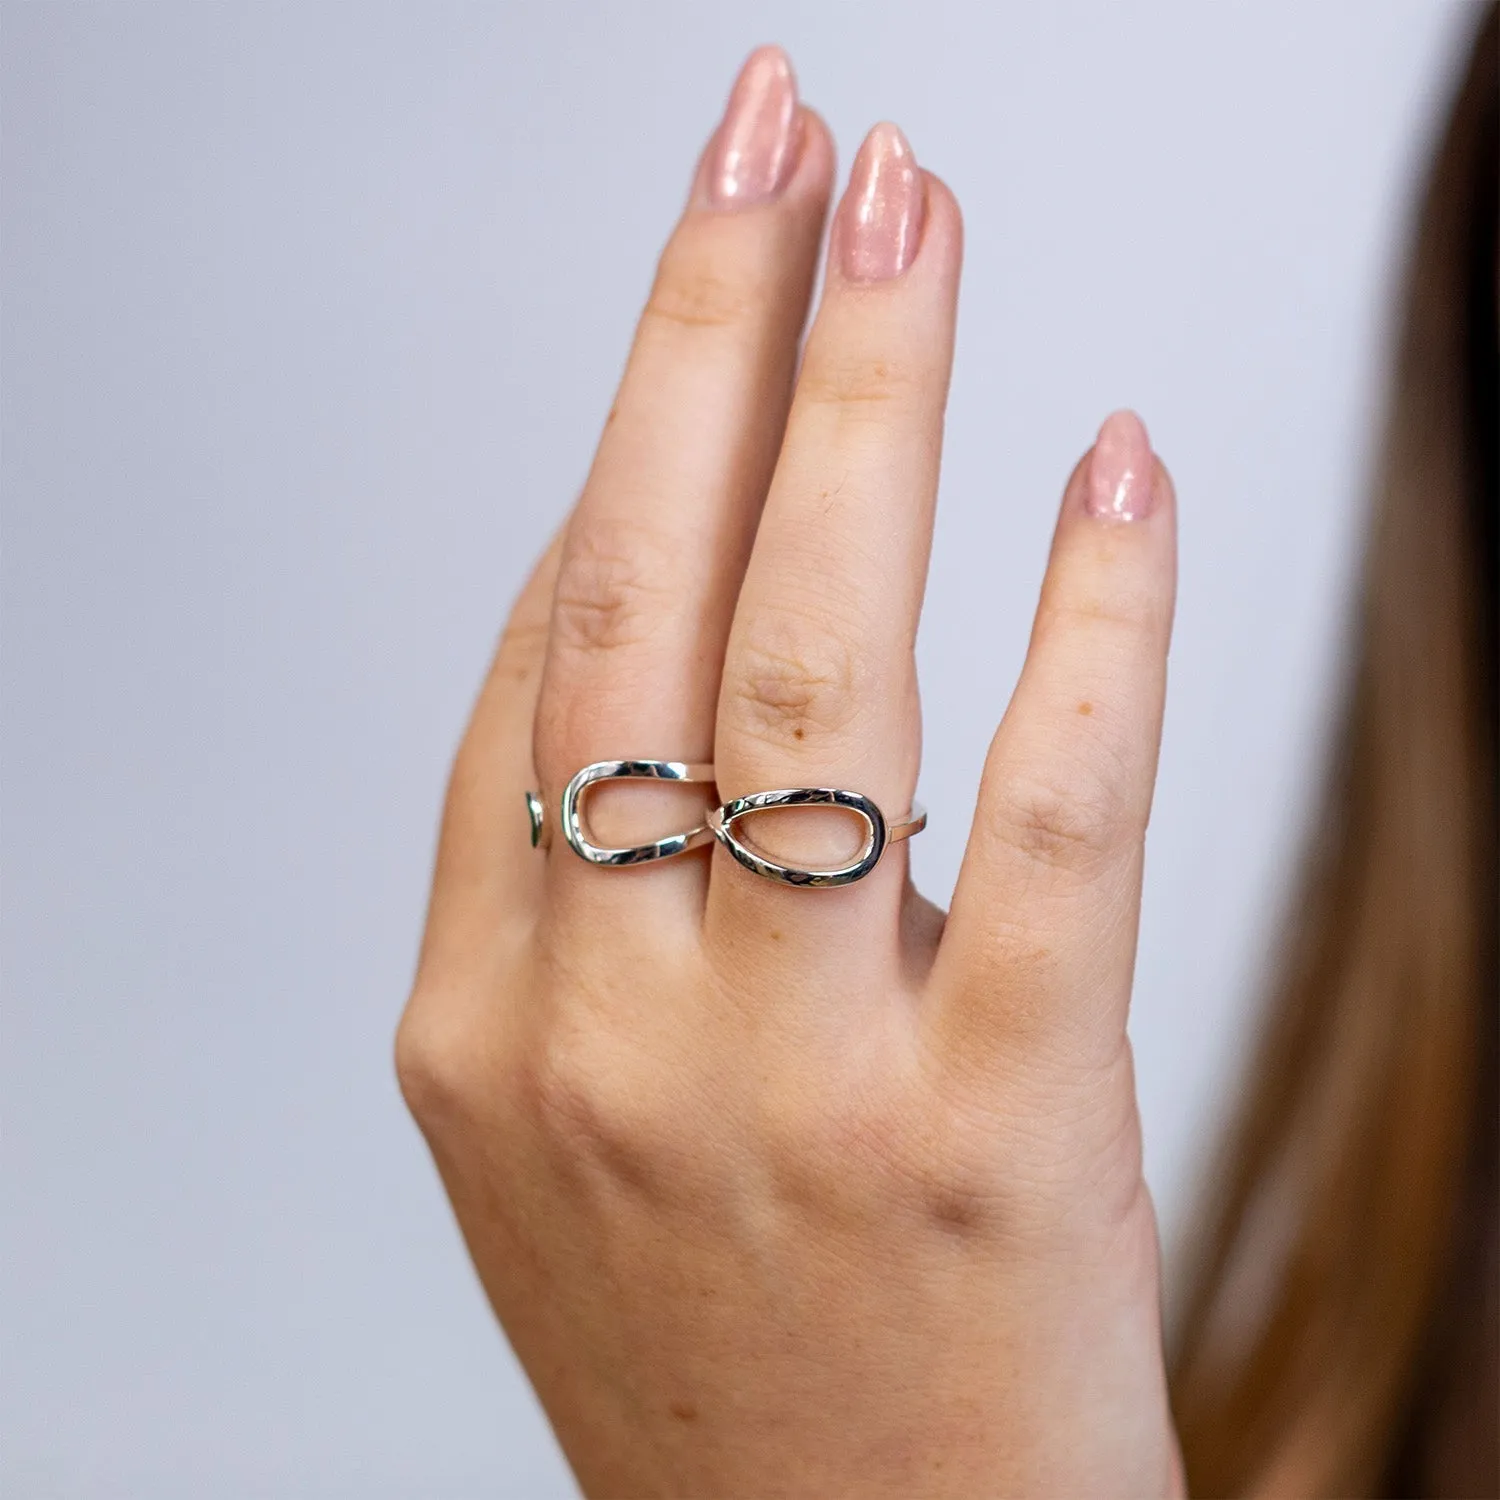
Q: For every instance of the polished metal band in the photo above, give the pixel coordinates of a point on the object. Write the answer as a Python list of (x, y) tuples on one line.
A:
[(572, 820), (878, 833)]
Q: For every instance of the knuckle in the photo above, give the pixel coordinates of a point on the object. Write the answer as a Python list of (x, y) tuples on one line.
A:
[(1135, 618), (522, 647), (1040, 1176), (438, 1064), (959, 1188), (858, 1151), (1065, 817), (1071, 1151), (853, 385), (606, 596), (794, 677), (692, 292), (588, 1096), (834, 1151)]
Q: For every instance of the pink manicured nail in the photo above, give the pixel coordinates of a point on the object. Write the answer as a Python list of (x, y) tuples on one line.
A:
[(1120, 469), (880, 219), (755, 147)]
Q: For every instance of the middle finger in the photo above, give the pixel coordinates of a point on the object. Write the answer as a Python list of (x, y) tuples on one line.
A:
[(819, 684)]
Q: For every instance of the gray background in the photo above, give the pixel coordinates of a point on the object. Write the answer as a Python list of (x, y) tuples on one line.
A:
[(310, 315)]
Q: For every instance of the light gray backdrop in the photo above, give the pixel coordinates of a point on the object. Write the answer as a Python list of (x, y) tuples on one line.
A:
[(310, 316)]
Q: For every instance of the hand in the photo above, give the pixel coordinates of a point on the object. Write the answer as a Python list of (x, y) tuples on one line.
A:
[(806, 1192)]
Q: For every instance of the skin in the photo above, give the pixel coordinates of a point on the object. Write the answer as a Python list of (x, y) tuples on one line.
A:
[(782, 1192)]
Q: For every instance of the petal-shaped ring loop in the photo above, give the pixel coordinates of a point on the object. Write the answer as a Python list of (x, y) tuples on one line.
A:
[(878, 833), (625, 770)]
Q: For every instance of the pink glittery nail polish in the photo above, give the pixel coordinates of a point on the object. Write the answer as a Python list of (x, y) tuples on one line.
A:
[(880, 220), (1120, 470), (754, 150)]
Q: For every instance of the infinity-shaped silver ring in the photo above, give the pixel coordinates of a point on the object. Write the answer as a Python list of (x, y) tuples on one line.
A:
[(575, 830), (879, 833)]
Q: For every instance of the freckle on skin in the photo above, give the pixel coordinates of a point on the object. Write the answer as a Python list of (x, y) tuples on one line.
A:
[(797, 733), (1085, 708), (954, 1213), (775, 937), (684, 1411)]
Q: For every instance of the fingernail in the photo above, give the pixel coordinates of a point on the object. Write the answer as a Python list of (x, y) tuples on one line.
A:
[(753, 151), (880, 219), (1120, 470)]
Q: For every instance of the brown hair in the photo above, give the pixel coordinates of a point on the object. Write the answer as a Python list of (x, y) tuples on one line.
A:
[(1339, 1336)]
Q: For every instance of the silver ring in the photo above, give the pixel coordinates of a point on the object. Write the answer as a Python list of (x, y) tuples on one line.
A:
[(878, 833), (571, 811), (541, 832)]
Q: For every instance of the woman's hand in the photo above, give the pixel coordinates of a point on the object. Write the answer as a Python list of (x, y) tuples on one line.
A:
[(781, 1191)]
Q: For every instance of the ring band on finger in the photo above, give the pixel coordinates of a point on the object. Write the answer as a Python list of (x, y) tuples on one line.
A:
[(880, 833), (575, 829)]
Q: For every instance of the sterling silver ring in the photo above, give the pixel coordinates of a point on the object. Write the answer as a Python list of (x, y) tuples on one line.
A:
[(575, 831), (878, 833)]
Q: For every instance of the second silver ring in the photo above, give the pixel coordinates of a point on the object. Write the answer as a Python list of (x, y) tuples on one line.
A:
[(880, 833)]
